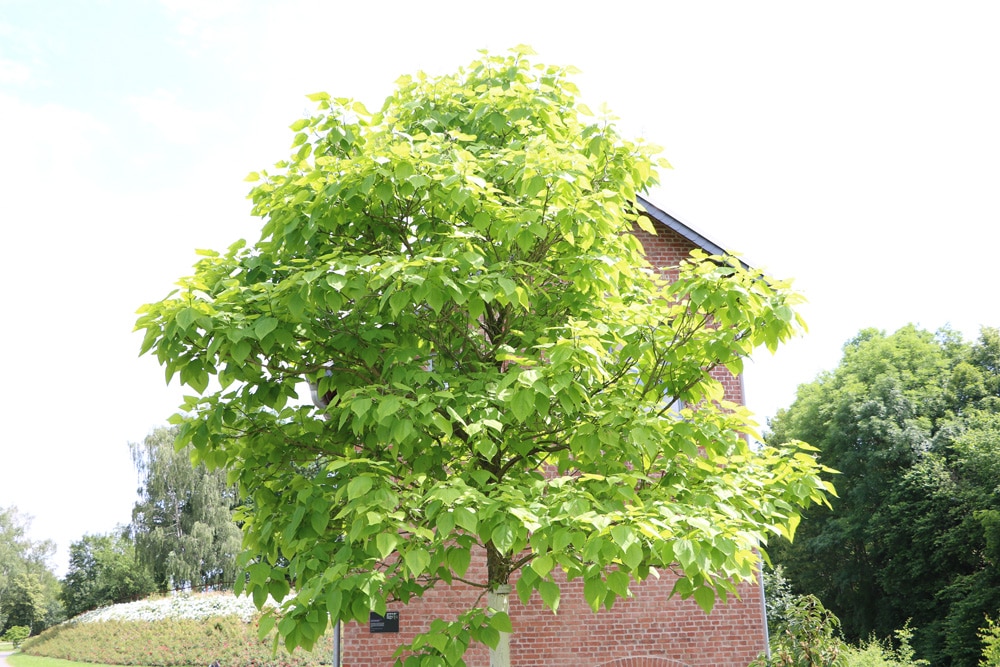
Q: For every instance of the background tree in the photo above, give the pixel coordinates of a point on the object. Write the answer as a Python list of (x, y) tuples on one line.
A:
[(103, 570), (910, 420), (24, 604), (990, 634), (499, 367), (182, 524), (54, 612), (24, 569)]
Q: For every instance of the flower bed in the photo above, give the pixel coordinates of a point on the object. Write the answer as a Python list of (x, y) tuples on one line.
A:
[(173, 631), (183, 605)]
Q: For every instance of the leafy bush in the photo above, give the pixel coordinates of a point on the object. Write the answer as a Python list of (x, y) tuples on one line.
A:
[(808, 636), (16, 634), (875, 653), (990, 634), (182, 630), (804, 633)]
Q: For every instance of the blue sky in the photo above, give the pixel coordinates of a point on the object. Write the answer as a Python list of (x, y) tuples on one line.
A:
[(851, 146)]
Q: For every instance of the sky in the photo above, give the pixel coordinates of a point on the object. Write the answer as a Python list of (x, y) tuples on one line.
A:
[(850, 146)]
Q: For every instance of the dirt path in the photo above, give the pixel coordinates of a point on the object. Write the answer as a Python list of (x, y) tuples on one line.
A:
[(3, 656)]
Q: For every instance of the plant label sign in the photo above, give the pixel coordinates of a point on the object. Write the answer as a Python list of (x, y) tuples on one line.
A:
[(387, 623)]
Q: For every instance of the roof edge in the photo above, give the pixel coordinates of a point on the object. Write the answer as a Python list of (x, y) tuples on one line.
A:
[(661, 216), (700, 240)]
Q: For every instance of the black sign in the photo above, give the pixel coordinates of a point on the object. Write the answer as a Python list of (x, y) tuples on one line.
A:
[(387, 623)]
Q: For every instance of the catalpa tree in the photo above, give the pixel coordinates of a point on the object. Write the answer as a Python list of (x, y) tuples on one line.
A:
[(497, 368)]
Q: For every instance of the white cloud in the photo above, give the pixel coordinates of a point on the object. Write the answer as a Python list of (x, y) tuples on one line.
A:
[(210, 27), (13, 72), (33, 136), (196, 13), (172, 120)]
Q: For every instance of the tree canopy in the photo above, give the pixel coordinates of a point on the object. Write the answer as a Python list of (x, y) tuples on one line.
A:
[(911, 422), (182, 523), (497, 368), (103, 570), (28, 588)]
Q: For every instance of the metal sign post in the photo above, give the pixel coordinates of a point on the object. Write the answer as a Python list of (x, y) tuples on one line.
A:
[(336, 644)]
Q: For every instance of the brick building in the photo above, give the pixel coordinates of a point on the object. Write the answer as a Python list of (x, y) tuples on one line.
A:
[(648, 630)]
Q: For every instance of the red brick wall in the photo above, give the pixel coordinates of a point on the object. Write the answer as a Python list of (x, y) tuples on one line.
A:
[(665, 251), (648, 630)]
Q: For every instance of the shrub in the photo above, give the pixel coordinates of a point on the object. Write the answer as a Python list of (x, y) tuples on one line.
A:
[(875, 653), (16, 634), (808, 636)]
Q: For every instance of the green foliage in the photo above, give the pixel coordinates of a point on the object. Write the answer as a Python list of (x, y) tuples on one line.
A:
[(881, 653), (990, 636), (103, 570), (807, 636), (910, 420), (28, 590), (805, 633), (16, 634), (170, 642), (24, 660), (495, 366), (182, 524), (778, 596), (24, 602)]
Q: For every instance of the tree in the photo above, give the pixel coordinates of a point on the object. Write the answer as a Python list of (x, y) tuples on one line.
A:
[(910, 421), (24, 604), (24, 566), (497, 368), (103, 570), (990, 634), (14, 547), (182, 524)]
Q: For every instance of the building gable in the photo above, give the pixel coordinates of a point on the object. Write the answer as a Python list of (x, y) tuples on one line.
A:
[(650, 629)]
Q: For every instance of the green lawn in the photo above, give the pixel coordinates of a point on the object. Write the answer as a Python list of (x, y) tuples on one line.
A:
[(21, 660)]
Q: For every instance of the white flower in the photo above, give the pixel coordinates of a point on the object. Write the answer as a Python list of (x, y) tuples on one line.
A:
[(181, 605)]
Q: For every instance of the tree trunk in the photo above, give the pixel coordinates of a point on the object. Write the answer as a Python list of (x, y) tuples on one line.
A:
[(498, 599)]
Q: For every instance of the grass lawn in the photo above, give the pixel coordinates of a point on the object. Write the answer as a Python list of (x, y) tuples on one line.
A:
[(21, 660)]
